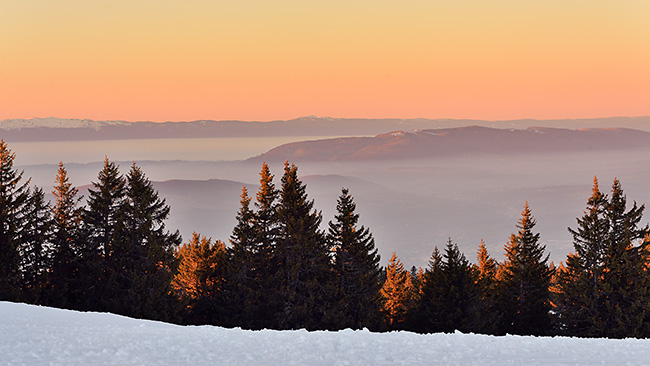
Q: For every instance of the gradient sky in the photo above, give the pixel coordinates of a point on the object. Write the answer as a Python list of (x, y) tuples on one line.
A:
[(166, 60)]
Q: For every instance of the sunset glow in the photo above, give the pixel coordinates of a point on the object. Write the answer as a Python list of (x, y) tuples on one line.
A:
[(261, 60)]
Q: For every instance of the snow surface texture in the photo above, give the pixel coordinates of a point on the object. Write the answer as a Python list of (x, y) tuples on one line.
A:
[(32, 335)]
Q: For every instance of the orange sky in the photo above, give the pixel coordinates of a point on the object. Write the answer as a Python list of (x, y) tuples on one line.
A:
[(167, 60)]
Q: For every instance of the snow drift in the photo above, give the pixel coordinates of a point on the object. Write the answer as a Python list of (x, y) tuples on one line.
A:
[(33, 335)]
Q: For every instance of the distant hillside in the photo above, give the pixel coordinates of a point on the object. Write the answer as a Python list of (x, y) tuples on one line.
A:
[(59, 129), (452, 142)]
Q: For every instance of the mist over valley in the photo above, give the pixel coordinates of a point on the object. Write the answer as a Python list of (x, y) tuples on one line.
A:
[(468, 189)]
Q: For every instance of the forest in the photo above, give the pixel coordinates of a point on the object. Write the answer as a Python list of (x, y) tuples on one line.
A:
[(111, 252)]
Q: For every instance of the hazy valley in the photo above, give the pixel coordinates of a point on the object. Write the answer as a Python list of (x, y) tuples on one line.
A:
[(411, 191)]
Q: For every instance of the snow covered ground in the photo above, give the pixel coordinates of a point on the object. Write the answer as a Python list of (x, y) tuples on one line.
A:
[(32, 335)]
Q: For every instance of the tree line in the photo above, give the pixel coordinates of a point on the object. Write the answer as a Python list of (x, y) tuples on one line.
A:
[(280, 270)]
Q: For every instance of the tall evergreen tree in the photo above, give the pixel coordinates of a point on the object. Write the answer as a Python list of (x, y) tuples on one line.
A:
[(35, 253), (605, 288), (356, 266), (66, 241), (200, 280), (265, 304), (102, 219), (581, 296), (302, 257), (242, 287), (524, 288), (396, 293), (450, 295), (266, 217), (13, 197), (144, 253), (486, 269), (626, 279)]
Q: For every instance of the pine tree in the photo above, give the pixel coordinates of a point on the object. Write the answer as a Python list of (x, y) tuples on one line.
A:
[(13, 197), (66, 241), (524, 289), (200, 280), (302, 257), (35, 253), (356, 266), (396, 293), (450, 295)]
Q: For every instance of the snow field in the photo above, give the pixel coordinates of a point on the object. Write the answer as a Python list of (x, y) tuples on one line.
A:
[(33, 335)]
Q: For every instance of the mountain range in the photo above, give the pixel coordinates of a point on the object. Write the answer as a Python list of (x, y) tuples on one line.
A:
[(61, 129), (464, 141)]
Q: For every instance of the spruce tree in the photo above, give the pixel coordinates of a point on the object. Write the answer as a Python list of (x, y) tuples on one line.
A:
[(486, 270), (200, 280), (356, 266), (524, 288), (625, 278), (450, 295), (35, 253), (102, 218), (417, 282), (604, 289), (581, 296), (243, 281), (13, 197), (396, 294), (66, 242), (144, 253), (266, 219), (265, 304), (302, 257)]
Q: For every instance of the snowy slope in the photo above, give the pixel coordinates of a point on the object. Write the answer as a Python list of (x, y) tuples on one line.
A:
[(31, 335)]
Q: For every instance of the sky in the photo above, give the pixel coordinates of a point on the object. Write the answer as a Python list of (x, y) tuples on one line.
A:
[(163, 60)]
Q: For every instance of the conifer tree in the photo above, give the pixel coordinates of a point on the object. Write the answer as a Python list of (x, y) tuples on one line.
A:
[(105, 201), (102, 218), (605, 289), (243, 280), (417, 279), (266, 219), (486, 270), (200, 280), (66, 242), (356, 266), (302, 256), (396, 292), (144, 253), (450, 295), (13, 197), (626, 280), (265, 304), (35, 253), (524, 288), (581, 296)]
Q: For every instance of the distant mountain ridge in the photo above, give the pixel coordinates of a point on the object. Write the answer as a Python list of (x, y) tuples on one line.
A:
[(60, 129), (463, 141)]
